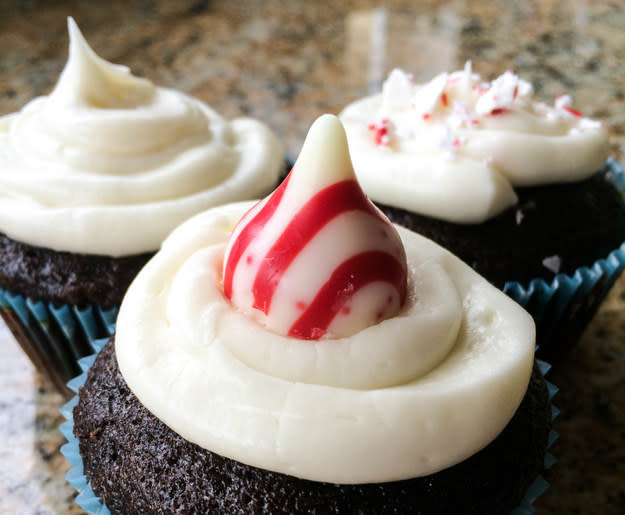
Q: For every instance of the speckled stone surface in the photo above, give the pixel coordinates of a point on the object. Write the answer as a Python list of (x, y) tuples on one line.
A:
[(286, 63)]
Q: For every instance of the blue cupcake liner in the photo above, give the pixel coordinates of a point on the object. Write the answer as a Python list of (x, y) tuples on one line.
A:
[(91, 503), (563, 307), (60, 334)]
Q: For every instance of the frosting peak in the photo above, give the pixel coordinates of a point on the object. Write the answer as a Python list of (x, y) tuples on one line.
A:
[(316, 258), (89, 80), (97, 106)]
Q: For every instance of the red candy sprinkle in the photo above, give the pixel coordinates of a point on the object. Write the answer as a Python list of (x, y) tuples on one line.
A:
[(380, 129), (444, 99), (499, 110), (574, 112)]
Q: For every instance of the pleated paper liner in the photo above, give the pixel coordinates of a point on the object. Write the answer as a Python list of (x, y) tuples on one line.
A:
[(563, 307), (55, 336), (92, 504)]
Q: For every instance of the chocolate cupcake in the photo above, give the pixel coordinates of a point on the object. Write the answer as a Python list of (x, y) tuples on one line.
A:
[(515, 188), (304, 355), (93, 177)]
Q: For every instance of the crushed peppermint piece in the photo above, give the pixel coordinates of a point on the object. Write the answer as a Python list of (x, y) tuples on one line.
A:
[(572, 111), (525, 89), (444, 99), (380, 130), (553, 263), (483, 88), (448, 141), (468, 71), (519, 216), (429, 95), (500, 95), (499, 110), (462, 115), (397, 90), (563, 101), (465, 76)]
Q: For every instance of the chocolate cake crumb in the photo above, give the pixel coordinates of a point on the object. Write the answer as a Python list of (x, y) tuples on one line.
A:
[(136, 464), (65, 277), (580, 222)]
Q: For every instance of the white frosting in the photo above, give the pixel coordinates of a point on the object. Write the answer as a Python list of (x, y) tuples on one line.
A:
[(109, 164), (410, 396), (323, 221), (455, 147)]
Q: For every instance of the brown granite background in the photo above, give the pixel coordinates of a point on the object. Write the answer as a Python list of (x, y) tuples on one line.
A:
[(286, 63)]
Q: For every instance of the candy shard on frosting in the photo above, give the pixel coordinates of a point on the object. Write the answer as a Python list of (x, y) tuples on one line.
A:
[(316, 258), (397, 90)]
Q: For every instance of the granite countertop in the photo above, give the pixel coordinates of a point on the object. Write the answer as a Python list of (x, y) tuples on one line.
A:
[(287, 63)]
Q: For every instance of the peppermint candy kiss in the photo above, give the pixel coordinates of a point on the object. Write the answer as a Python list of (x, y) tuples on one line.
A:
[(316, 258)]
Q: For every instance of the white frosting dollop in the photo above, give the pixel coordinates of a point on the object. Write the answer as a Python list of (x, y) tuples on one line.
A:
[(417, 393), (109, 163), (454, 148)]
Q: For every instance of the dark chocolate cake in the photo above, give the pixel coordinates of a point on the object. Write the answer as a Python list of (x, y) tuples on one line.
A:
[(136, 464), (44, 274), (577, 222)]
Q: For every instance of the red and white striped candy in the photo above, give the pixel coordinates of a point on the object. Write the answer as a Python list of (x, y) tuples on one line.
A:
[(316, 258)]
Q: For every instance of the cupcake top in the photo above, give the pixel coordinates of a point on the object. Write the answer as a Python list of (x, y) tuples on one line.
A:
[(405, 389), (455, 147), (109, 163)]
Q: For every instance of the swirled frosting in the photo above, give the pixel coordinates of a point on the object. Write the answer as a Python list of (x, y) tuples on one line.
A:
[(408, 396), (109, 164), (454, 148), (318, 219)]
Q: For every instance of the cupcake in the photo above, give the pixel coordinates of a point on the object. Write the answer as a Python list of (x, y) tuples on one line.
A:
[(93, 177), (517, 189), (304, 355)]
